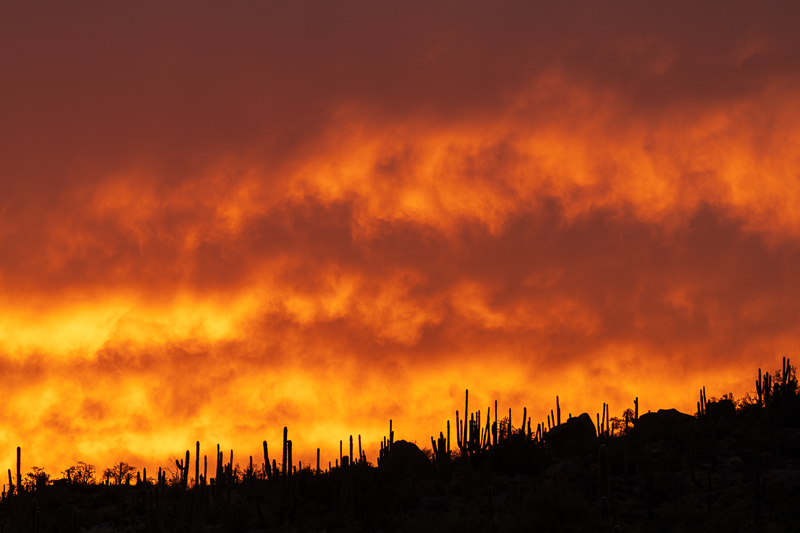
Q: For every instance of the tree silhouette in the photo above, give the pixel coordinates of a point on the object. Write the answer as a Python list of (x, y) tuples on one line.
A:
[(80, 474), (628, 416), (85, 473), (119, 473), (35, 479), (618, 424)]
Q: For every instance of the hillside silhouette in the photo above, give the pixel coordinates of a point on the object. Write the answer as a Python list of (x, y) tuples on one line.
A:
[(730, 466)]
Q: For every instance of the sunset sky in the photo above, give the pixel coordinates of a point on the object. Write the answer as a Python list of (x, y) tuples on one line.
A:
[(220, 219)]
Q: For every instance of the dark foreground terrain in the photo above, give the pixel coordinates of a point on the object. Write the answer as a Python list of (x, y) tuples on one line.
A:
[(732, 466)]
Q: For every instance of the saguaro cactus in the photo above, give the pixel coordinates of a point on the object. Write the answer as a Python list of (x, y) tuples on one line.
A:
[(558, 412), (785, 373), (285, 439), (486, 438), (605, 511), (267, 471), (767, 388), (759, 391), (459, 430), (701, 406), (218, 472), (603, 482), (289, 451), (495, 427), (440, 453), (186, 470), (524, 418), (19, 470), (466, 413)]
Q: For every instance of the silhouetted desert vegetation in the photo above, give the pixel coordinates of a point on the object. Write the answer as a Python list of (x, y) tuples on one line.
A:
[(731, 466)]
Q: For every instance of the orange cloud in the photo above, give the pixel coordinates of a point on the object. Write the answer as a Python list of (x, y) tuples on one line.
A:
[(269, 217)]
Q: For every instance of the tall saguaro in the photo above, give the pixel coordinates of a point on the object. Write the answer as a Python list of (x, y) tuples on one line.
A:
[(289, 455), (266, 461), (285, 437), (466, 414), (19, 470), (186, 470), (494, 432)]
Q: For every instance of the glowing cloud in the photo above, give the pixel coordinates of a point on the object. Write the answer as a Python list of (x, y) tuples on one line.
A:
[(214, 223)]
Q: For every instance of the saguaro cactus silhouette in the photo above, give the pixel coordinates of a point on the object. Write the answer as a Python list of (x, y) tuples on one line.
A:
[(759, 390), (19, 470), (285, 439), (289, 455), (448, 436), (466, 414), (218, 471), (267, 472), (603, 482), (558, 412)]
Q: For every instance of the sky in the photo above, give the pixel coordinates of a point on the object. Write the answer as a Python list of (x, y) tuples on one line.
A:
[(217, 220)]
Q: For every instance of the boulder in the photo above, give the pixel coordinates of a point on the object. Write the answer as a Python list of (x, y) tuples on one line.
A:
[(434, 504), (663, 422), (670, 486), (782, 483), (722, 408), (575, 436), (406, 459)]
